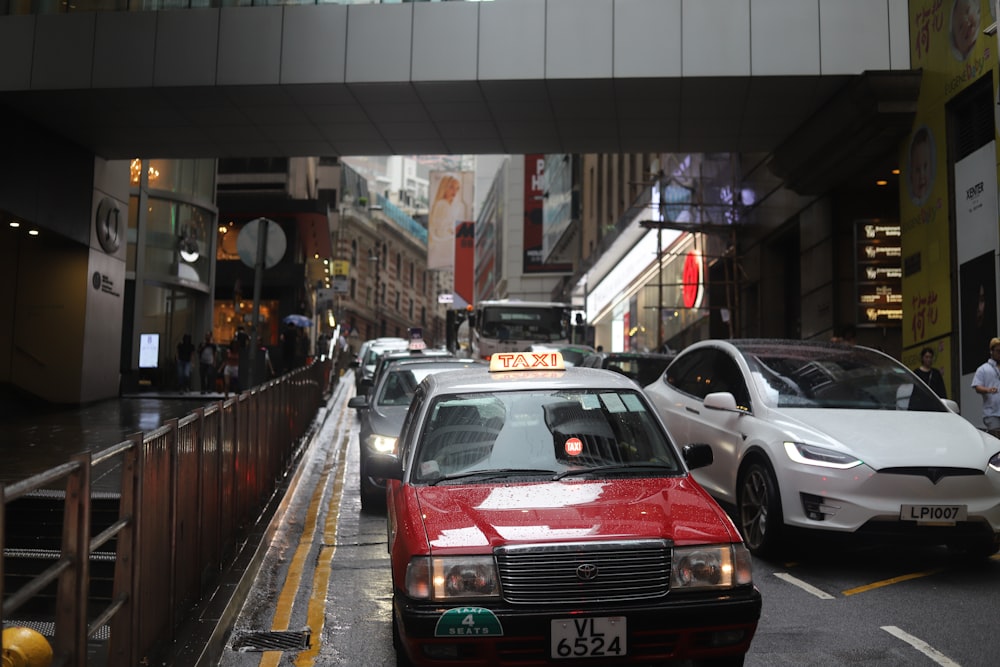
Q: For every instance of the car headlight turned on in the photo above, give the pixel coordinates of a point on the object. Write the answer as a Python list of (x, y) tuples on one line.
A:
[(382, 444), (820, 456), (451, 578), (710, 566)]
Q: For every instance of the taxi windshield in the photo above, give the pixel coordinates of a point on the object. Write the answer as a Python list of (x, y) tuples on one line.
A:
[(535, 434)]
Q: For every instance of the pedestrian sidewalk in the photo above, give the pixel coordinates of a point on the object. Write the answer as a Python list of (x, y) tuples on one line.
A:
[(36, 436)]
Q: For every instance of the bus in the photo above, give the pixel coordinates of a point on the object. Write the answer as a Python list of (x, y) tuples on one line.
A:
[(514, 326)]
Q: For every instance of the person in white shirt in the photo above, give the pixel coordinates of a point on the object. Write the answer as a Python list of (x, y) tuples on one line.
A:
[(986, 382)]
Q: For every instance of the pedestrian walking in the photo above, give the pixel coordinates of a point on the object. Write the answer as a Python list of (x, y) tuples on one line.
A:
[(230, 368), (208, 358), (929, 374), (185, 358), (986, 382)]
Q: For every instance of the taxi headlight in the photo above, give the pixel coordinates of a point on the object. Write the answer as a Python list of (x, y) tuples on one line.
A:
[(820, 456), (382, 444), (429, 578), (710, 566)]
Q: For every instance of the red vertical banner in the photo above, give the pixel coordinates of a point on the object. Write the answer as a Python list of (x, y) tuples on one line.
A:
[(534, 189), (465, 256)]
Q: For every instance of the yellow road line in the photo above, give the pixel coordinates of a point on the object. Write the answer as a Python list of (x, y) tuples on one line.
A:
[(286, 599), (316, 615), (889, 582)]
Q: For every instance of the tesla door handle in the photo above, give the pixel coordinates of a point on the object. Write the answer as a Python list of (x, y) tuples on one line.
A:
[(692, 410)]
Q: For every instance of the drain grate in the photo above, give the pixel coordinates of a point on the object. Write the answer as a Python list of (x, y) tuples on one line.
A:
[(272, 641)]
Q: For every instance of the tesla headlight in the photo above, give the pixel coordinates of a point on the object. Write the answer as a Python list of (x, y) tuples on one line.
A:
[(453, 577), (820, 456), (995, 462), (381, 444), (710, 566)]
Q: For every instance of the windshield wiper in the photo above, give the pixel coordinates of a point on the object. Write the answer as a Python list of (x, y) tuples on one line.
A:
[(616, 467), (493, 473)]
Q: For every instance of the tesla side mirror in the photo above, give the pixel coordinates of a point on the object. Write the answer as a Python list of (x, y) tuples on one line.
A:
[(384, 466), (698, 455), (358, 402), (721, 400), (951, 405)]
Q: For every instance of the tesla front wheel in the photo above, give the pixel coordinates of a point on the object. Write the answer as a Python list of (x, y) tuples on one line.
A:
[(759, 509)]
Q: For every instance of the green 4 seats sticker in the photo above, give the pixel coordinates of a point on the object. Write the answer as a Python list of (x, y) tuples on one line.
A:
[(468, 622)]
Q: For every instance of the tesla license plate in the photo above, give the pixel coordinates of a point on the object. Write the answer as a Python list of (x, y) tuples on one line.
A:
[(940, 514), (588, 637)]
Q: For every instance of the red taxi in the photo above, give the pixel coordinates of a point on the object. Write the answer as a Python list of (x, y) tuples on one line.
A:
[(539, 514)]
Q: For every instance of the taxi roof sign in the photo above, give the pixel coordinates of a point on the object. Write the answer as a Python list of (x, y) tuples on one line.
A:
[(527, 361)]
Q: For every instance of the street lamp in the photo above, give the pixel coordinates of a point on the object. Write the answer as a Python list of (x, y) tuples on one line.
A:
[(373, 257)]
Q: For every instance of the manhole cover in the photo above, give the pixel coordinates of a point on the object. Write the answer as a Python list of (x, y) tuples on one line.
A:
[(271, 641)]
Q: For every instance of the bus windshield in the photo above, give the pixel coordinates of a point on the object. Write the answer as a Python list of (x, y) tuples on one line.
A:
[(525, 323), (514, 326)]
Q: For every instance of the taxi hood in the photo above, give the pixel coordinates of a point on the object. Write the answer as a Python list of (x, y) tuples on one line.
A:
[(467, 516)]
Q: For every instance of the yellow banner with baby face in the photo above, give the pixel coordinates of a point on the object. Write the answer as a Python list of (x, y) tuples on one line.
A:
[(924, 219), (948, 44)]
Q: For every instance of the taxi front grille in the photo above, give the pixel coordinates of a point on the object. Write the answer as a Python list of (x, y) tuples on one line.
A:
[(585, 572)]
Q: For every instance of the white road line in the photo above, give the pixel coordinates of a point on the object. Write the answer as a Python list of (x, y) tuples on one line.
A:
[(922, 646), (808, 588)]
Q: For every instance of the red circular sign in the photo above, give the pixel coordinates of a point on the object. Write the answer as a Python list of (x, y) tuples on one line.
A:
[(692, 280), (574, 447)]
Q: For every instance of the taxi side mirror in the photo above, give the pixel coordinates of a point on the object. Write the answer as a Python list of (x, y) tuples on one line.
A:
[(358, 402), (698, 455), (385, 466)]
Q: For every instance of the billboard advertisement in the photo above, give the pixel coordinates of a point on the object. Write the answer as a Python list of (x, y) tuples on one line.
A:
[(534, 196), (452, 204)]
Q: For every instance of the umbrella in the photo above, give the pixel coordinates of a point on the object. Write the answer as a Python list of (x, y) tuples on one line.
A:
[(298, 320)]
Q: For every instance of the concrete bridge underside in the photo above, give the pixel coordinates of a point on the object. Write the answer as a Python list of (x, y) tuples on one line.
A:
[(823, 84)]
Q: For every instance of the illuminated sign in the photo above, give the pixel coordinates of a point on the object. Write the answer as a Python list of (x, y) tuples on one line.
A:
[(526, 361), (879, 273)]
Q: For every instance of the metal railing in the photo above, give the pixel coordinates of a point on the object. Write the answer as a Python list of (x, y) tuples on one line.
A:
[(190, 491)]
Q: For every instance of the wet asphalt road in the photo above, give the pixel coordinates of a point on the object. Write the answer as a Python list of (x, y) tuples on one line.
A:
[(890, 607), (882, 606)]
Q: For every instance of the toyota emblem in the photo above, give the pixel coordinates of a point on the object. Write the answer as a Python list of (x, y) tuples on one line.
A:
[(586, 572)]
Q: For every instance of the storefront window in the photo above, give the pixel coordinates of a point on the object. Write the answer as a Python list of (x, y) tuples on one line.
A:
[(169, 312), (228, 235), (229, 315), (194, 227), (191, 178), (177, 242)]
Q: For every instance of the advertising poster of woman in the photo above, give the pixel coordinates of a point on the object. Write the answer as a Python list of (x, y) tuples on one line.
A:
[(450, 206)]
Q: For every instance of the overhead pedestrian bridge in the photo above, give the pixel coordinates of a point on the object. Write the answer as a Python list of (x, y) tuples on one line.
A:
[(797, 79)]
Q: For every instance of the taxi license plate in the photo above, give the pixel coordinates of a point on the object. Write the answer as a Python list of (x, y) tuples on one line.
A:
[(588, 637), (940, 514)]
